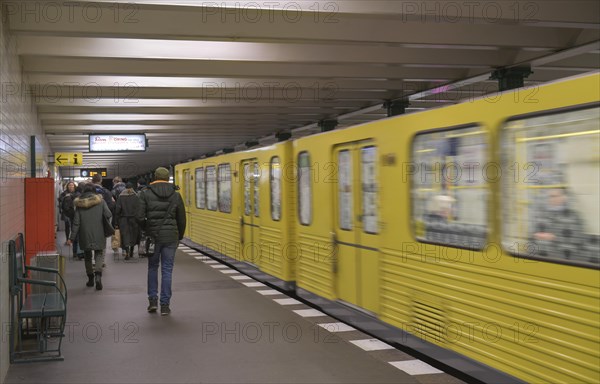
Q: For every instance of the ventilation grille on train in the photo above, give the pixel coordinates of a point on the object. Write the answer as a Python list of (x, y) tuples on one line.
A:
[(429, 320)]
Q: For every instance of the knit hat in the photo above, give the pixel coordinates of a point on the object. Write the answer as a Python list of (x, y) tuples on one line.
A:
[(161, 173)]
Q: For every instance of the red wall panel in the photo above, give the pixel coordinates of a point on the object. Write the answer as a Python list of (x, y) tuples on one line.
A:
[(39, 216)]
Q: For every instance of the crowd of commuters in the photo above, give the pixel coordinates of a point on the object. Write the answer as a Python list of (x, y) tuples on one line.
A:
[(153, 212)]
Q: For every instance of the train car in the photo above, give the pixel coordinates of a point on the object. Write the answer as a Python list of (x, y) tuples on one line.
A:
[(473, 227), (241, 206)]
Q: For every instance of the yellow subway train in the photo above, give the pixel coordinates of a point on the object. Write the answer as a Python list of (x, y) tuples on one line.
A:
[(469, 233)]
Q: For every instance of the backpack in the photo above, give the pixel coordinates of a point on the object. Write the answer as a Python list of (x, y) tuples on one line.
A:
[(67, 206)]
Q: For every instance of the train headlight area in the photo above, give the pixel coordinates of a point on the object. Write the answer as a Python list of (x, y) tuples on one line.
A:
[(376, 191)]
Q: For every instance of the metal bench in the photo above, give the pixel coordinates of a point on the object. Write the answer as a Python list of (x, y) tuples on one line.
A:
[(37, 319)]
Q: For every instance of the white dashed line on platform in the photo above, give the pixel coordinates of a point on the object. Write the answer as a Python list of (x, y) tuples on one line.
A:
[(371, 344), (228, 271), (241, 277), (269, 292), (309, 313), (254, 284), (219, 266), (289, 301), (415, 367), (337, 327)]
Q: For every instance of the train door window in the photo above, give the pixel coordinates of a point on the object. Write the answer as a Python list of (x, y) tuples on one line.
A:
[(211, 188), (345, 195), (247, 182), (369, 189), (256, 176), (186, 188), (551, 186), (224, 188), (449, 192), (200, 191), (304, 189), (275, 181)]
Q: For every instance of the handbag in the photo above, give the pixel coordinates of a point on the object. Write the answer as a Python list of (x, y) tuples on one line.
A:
[(149, 240), (108, 228), (116, 239)]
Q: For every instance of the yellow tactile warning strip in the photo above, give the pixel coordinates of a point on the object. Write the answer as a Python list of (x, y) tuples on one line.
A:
[(424, 372)]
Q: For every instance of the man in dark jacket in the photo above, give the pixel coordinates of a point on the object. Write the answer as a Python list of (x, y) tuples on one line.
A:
[(162, 215), (105, 193)]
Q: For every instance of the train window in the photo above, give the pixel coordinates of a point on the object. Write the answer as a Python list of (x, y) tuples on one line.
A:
[(275, 179), (211, 188), (551, 187), (200, 191), (304, 189), (449, 192), (187, 193), (256, 190), (369, 189), (247, 181), (345, 194), (224, 188)]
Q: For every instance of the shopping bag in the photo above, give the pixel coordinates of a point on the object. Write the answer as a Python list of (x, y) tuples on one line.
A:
[(116, 239)]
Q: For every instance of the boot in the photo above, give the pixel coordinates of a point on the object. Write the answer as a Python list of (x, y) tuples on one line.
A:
[(98, 280), (90, 282)]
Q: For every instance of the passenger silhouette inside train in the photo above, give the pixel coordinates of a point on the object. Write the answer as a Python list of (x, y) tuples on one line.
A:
[(559, 229), (441, 209)]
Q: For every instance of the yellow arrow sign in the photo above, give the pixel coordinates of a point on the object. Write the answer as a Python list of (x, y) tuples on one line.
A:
[(68, 158)]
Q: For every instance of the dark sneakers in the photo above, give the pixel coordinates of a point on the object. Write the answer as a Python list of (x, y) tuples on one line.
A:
[(165, 310), (98, 280), (153, 306)]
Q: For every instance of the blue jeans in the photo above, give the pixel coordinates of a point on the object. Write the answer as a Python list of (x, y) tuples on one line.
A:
[(164, 254)]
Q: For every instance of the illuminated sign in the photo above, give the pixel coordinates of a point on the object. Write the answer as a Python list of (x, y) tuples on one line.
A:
[(92, 171), (118, 142), (68, 158)]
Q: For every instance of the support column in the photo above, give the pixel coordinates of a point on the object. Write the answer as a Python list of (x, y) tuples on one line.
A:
[(32, 163)]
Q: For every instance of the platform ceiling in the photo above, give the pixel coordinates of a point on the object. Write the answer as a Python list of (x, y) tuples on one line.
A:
[(200, 76)]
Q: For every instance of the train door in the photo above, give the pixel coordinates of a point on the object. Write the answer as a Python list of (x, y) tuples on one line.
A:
[(187, 196), (251, 211), (356, 225)]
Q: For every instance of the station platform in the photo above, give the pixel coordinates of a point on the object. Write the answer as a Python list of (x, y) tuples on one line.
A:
[(224, 327)]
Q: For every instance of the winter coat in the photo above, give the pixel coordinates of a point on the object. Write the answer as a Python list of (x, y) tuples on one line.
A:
[(107, 196), (128, 204), (154, 203), (118, 189), (89, 209), (67, 204)]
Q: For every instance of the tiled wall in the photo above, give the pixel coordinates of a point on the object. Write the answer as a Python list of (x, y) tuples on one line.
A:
[(18, 122)]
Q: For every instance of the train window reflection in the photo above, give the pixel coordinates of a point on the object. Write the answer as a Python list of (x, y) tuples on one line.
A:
[(275, 188), (449, 191), (224, 188), (551, 187), (211, 188), (304, 189), (200, 191)]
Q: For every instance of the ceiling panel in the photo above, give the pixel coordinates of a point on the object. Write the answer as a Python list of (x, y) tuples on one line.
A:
[(198, 77)]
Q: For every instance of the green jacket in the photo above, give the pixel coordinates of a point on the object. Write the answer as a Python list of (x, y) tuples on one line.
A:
[(89, 209), (152, 213)]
